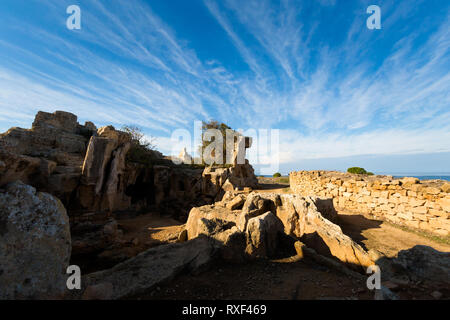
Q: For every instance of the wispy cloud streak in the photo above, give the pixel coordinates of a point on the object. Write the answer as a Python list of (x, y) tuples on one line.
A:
[(333, 93)]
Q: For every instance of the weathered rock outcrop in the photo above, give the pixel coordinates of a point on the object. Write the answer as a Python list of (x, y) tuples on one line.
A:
[(103, 167), (35, 244), (87, 169), (209, 220), (48, 156), (232, 178), (262, 235), (142, 273), (185, 157), (292, 215)]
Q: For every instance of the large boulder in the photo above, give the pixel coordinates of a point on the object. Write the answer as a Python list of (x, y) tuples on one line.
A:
[(35, 244), (210, 219), (17, 167), (253, 206), (232, 244), (140, 274), (262, 235), (218, 223)]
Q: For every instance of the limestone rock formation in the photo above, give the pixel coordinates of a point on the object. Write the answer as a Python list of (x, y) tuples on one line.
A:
[(294, 215), (88, 170), (185, 157), (203, 220), (35, 244), (48, 156), (237, 176), (232, 244), (103, 167), (143, 272), (237, 202), (301, 218), (262, 235)]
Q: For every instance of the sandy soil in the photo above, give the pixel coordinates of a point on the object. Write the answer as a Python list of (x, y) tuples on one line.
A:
[(150, 229), (275, 185), (382, 236)]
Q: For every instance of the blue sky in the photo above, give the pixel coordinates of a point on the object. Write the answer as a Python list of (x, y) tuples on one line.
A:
[(340, 94)]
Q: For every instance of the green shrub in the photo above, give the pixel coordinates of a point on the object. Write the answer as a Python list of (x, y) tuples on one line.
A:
[(370, 173), (284, 180), (277, 175), (357, 170)]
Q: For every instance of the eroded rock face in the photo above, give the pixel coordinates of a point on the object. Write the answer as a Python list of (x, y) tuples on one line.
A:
[(264, 215), (253, 206), (209, 219), (17, 167), (302, 218), (48, 156), (87, 169), (262, 235), (35, 244), (103, 168), (233, 178)]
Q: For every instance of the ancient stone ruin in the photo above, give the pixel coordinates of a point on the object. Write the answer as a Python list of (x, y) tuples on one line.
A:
[(407, 201), (87, 169), (71, 195)]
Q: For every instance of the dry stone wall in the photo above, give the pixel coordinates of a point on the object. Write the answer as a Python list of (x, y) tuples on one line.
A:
[(423, 205)]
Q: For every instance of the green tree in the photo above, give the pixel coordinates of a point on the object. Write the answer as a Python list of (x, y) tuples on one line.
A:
[(358, 170), (277, 175)]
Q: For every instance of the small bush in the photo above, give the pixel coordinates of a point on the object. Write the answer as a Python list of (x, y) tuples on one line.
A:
[(142, 151), (357, 170), (370, 173), (277, 175), (284, 180)]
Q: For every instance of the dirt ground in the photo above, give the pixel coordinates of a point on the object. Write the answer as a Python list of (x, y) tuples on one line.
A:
[(150, 229), (382, 236), (263, 280), (275, 185)]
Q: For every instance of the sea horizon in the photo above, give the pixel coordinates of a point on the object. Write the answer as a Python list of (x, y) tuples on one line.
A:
[(398, 175)]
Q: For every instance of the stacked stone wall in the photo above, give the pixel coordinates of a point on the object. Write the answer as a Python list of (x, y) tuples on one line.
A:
[(423, 205)]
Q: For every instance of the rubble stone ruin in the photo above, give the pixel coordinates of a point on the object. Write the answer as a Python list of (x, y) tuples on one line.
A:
[(72, 194)]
